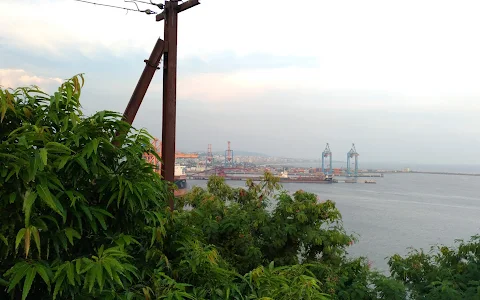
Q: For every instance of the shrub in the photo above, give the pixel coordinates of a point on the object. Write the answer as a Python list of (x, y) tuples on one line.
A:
[(84, 216), (443, 273)]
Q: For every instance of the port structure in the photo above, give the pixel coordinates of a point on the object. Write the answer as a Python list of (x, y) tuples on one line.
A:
[(152, 159), (228, 156), (327, 160), (352, 154), (209, 159)]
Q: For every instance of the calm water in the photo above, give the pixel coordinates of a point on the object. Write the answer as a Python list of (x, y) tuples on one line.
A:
[(402, 211)]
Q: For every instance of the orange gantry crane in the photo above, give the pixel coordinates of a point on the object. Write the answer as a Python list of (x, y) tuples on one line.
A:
[(157, 144)]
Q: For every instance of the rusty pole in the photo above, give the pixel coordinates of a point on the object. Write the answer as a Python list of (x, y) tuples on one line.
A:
[(151, 65), (169, 93)]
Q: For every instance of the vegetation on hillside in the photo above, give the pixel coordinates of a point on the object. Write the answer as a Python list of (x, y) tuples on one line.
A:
[(84, 218)]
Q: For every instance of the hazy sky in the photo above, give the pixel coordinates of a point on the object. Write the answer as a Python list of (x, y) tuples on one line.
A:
[(401, 79)]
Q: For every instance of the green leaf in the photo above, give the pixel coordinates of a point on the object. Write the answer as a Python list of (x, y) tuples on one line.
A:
[(71, 233), (57, 147), (6, 155), (19, 272), (87, 212), (63, 129), (18, 239), (78, 265), (99, 276), (44, 156), (12, 197), (28, 202), (90, 279), (3, 282), (71, 273), (100, 219), (47, 197), (69, 92), (74, 119), (36, 237), (95, 142), (3, 239), (11, 173), (3, 106), (43, 273), (32, 168), (56, 99), (108, 269), (58, 286), (82, 163), (62, 161), (28, 282)]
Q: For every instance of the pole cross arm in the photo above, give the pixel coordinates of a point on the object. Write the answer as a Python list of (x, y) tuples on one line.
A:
[(180, 8)]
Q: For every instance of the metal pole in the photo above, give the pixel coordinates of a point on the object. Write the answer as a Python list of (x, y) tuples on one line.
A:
[(169, 94), (323, 162), (151, 65)]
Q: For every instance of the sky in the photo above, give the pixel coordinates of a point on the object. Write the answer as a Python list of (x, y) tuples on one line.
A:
[(400, 79)]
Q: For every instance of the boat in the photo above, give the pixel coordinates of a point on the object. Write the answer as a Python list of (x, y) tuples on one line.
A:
[(370, 181), (180, 180)]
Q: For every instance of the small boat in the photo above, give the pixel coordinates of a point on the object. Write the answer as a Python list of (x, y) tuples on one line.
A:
[(370, 181)]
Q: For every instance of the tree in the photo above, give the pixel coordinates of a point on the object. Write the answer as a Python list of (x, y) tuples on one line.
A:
[(87, 219), (79, 208), (443, 273)]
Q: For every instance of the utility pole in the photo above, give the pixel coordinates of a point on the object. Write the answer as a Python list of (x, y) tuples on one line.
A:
[(170, 15), (169, 93), (169, 51)]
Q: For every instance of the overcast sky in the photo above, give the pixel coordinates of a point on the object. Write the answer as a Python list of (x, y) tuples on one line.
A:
[(400, 79)]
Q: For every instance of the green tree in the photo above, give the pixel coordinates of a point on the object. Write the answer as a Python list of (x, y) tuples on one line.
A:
[(84, 216), (80, 210), (262, 223), (443, 273)]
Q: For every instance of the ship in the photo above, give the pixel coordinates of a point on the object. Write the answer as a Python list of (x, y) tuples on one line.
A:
[(370, 181), (180, 179), (303, 179)]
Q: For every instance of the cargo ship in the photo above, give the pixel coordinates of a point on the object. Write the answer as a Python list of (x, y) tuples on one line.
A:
[(304, 179)]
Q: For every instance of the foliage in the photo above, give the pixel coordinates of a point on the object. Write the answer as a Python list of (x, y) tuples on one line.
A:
[(249, 228), (84, 216), (444, 273), (79, 209)]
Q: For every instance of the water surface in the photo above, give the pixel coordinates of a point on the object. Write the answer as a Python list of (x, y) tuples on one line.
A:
[(401, 211)]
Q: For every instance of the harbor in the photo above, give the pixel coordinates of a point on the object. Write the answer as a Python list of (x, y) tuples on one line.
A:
[(284, 176)]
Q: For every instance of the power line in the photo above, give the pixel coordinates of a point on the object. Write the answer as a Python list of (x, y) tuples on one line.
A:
[(147, 11), (159, 5)]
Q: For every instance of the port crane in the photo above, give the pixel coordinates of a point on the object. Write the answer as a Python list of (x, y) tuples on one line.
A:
[(209, 160), (327, 154), (157, 145), (228, 156), (352, 154)]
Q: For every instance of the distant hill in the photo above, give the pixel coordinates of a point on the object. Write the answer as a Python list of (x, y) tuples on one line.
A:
[(242, 153), (236, 153)]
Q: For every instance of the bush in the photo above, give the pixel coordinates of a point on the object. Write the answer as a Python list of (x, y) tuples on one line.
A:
[(444, 273), (84, 216)]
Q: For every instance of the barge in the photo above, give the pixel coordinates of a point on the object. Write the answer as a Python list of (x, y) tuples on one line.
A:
[(304, 179)]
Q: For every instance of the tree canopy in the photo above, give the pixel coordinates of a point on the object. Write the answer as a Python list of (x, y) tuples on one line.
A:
[(84, 216)]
